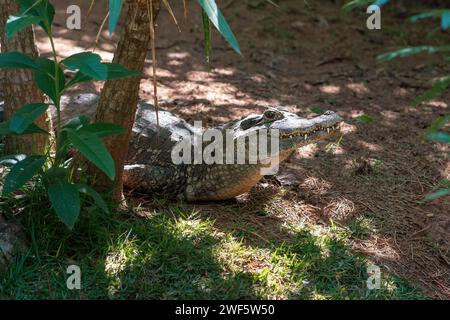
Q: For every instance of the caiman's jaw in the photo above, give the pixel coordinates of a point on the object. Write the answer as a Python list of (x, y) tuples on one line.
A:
[(293, 131), (300, 131)]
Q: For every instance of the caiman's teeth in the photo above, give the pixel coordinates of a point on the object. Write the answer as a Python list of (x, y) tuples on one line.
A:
[(306, 136), (328, 130)]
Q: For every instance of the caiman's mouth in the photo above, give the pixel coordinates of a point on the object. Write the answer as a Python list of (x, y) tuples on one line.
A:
[(315, 132), (294, 129)]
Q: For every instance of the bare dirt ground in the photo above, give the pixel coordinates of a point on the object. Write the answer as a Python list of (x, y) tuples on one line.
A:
[(304, 55)]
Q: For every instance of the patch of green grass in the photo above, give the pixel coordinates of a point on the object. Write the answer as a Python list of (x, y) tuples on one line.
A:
[(362, 226), (176, 254)]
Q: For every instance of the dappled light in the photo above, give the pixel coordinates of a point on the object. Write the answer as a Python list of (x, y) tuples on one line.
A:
[(335, 206)]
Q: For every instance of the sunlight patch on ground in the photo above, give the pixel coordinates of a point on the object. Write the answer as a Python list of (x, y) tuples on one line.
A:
[(437, 104), (370, 146), (330, 89), (224, 71), (317, 186), (339, 209), (359, 88), (308, 151)]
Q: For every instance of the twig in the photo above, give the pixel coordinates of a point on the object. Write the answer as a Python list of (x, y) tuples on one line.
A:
[(155, 81)]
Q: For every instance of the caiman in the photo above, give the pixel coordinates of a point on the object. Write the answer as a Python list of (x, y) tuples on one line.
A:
[(150, 167)]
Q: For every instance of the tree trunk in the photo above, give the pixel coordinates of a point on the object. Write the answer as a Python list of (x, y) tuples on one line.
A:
[(18, 86), (119, 98)]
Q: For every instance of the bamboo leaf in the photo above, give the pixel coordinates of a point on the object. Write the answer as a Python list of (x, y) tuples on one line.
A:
[(406, 52), (436, 90), (115, 8), (218, 20), (437, 194), (207, 35)]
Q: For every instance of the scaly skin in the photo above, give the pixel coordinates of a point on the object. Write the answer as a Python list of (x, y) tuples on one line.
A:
[(150, 167)]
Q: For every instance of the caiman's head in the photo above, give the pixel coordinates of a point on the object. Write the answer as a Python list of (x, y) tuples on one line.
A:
[(284, 131), (294, 131)]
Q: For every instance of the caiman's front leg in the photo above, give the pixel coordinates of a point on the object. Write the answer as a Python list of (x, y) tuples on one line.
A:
[(169, 181)]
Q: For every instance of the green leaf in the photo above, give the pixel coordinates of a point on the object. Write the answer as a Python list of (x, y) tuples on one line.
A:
[(116, 71), (44, 78), (428, 14), (218, 20), (351, 5), (437, 194), (406, 52), (55, 174), (17, 60), (65, 200), (438, 123), (98, 200), (115, 8), (89, 64), (207, 35), (78, 78), (42, 9), (18, 23), (102, 130), (439, 136), (77, 122), (93, 149), (32, 128), (4, 128), (445, 20), (364, 119), (25, 116), (436, 90), (22, 172)]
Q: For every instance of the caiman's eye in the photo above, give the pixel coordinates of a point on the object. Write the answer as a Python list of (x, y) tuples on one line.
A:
[(271, 115)]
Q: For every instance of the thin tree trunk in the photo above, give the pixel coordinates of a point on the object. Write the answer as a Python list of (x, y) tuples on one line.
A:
[(18, 86), (119, 98)]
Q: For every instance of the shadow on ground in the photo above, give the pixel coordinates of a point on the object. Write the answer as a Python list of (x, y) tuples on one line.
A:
[(310, 56)]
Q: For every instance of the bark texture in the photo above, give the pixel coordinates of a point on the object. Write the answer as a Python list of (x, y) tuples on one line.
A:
[(119, 98), (12, 243), (18, 86)]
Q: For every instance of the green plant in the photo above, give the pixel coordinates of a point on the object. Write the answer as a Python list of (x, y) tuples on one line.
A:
[(435, 132), (53, 170), (211, 14)]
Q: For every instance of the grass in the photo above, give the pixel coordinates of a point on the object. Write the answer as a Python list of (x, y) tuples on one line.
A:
[(174, 253)]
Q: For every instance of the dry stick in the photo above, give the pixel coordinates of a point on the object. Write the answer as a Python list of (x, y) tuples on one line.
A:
[(152, 34), (169, 8), (100, 31), (185, 9), (90, 9)]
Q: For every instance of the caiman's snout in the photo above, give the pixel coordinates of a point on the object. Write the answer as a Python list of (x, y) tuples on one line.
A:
[(301, 131), (329, 119)]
